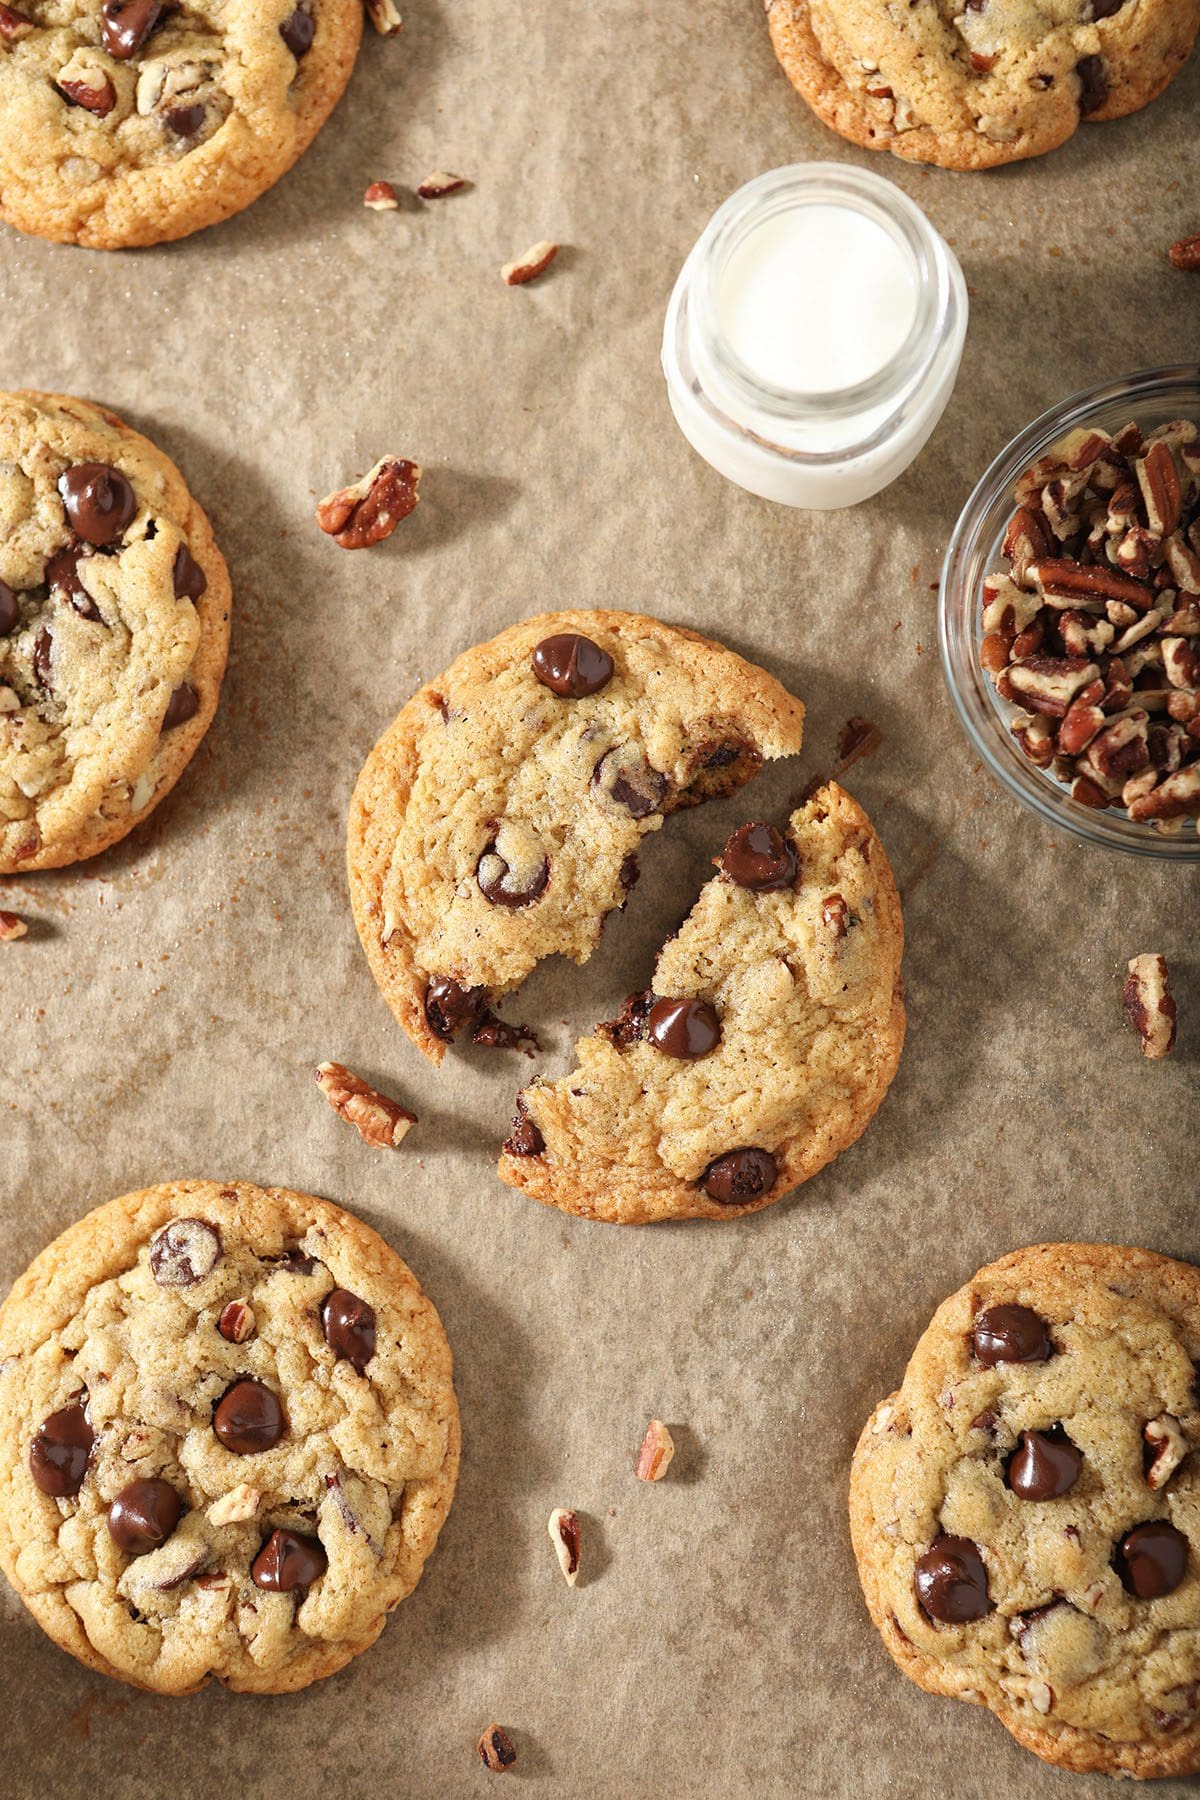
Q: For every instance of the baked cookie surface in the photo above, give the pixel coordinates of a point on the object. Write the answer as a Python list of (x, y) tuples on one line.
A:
[(496, 821), (228, 1437), (1026, 1509), (126, 122), (973, 85), (767, 1041), (114, 629)]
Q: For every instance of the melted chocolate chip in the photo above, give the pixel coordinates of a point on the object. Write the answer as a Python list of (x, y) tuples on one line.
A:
[(1006, 1334), (62, 577), (184, 1252), (298, 31), (349, 1327), (951, 1581), (1093, 84), (43, 666), (288, 1561), (10, 611), (571, 665), (739, 1177), (625, 777), (492, 1033), (126, 24), (449, 1006), (1151, 1560), (498, 884), (184, 121), (183, 705), (760, 858), (248, 1418), (188, 577), (629, 1026), (143, 1516), (630, 873), (294, 1261), (687, 1029), (99, 501), (1104, 9), (525, 1138), (1045, 1465), (59, 1454)]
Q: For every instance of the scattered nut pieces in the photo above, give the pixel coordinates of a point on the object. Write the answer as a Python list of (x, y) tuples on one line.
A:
[(233, 1508), (381, 197), (1041, 1696), (440, 183), (534, 261), (371, 509), (84, 82), (14, 25), (564, 1535), (11, 927), (1166, 1446), (1186, 253), (236, 1322), (497, 1750), (654, 1457), (1148, 1005), (380, 1122), (384, 17)]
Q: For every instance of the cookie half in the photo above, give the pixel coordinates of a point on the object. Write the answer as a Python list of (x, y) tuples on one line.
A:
[(975, 85), (766, 1042), (134, 121), (497, 820), (1026, 1509), (228, 1437), (114, 629)]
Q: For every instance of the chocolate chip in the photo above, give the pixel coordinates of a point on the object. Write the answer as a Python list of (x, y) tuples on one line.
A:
[(248, 1418), (184, 1252), (10, 611), (525, 1139), (492, 1033), (143, 1516), (502, 887), (571, 665), (687, 1029), (1104, 9), (625, 777), (760, 858), (58, 1455), (630, 872), (99, 501), (288, 1561), (739, 1177), (951, 1581), (183, 705), (294, 1261), (1045, 1465), (43, 666), (1006, 1334), (126, 24), (62, 577), (189, 578), (1093, 84), (184, 121), (349, 1327), (298, 31), (629, 1026), (1151, 1560), (449, 1006)]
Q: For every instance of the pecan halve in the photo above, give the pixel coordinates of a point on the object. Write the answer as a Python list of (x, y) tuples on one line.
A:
[(380, 1122), (370, 510)]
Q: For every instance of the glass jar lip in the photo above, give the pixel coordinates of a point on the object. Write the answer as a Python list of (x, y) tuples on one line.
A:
[(960, 622), (866, 192)]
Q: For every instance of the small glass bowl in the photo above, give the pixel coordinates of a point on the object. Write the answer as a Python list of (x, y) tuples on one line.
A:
[(1151, 397)]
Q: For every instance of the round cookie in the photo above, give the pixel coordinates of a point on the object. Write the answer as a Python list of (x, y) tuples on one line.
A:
[(764, 1046), (228, 1437), (496, 821), (114, 628), (973, 85), (127, 122), (1026, 1509)]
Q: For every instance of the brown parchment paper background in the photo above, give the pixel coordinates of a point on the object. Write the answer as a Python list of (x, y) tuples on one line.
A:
[(164, 1015)]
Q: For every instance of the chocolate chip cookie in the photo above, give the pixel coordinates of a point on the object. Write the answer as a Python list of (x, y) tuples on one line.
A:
[(228, 1437), (114, 627), (763, 1047), (134, 121), (973, 83), (497, 820), (1026, 1509)]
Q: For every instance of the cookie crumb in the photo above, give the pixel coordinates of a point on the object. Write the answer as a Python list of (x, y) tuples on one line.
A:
[(535, 260), (380, 1122), (497, 1751)]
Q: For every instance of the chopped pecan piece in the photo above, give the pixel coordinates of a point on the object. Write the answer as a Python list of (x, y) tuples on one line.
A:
[(1166, 1448), (1185, 254), (654, 1457), (380, 1122), (563, 1526), (11, 927), (384, 17), (536, 259), (1048, 684), (235, 1507), (1158, 479), (370, 510), (439, 184), (14, 25), (1148, 1005), (496, 1750), (380, 197), (85, 82)]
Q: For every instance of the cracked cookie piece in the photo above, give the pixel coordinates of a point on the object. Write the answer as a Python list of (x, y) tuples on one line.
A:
[(228, 1437), (768, 1039), (497, 820), (114, 628), (126, 122), (970, 84), (1026, 1509)]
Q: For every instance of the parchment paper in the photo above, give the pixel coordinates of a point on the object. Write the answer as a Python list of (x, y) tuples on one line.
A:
[(164, 1016)]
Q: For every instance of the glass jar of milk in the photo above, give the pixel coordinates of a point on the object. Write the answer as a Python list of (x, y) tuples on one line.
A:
[(814, 335)]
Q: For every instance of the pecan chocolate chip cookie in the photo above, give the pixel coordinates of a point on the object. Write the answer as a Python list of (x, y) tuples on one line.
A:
[(972, 83), (1026, 1509), (114, 626), (497, 819), (134, 121), (228, 1437), (767, 1041)]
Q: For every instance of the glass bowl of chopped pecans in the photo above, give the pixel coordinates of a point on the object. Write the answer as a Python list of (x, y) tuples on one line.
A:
[(1069, 615)]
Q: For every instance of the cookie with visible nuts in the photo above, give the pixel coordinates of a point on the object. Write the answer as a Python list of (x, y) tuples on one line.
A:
[(1025, 1510), (228, 1437)]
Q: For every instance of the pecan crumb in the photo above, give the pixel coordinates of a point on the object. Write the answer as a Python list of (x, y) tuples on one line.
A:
[(440, 183), (1186, 253), (381, 197), (384, 17), (14, 25), (236, 1322), (496, 1750), (1166, 1448), (654, 1457), (235, 1507), (534, 261), (11, 927), (564, 1535), (1148, 1005), (370, 510), (380, 1122)]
